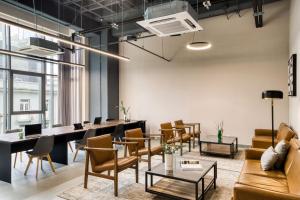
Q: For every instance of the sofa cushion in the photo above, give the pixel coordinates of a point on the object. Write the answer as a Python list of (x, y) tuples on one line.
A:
[(262, 142), (285, 133), (253, 167), (281, 149), (268, 159), (269, 183)]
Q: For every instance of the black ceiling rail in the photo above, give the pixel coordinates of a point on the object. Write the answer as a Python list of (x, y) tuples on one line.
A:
[(148, 51), (258, 13)]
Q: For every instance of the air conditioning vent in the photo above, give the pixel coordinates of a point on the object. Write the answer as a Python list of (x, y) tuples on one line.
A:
[(172, 18), (40, 47)]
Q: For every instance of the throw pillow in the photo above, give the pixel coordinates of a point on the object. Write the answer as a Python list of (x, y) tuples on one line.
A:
[(268, 159), (281, 149)]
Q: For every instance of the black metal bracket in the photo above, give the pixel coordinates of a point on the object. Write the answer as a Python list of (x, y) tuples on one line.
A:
[(148, 51)]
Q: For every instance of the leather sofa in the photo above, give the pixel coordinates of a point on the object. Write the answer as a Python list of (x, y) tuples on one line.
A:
[(263, 137), (256, 184)]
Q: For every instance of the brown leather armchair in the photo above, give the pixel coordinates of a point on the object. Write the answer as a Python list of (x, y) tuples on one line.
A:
[(194, 129), (137, 136), (171, 134), (104, 157)]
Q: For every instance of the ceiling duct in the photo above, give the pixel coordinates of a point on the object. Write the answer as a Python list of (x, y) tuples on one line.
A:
[(172, 18)]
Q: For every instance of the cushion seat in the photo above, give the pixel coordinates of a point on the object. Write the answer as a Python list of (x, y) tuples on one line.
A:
[(154, 151), (123, 163), (262, 142), (253, 167), (263, 182), (185, 138)]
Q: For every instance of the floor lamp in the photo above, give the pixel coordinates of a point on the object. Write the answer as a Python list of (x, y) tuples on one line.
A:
[(272, 94)]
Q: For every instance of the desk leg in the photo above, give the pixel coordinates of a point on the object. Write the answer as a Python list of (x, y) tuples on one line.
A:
[(5, 162), (59, 153)]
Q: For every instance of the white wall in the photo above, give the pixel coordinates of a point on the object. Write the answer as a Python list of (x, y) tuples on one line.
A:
[(295, 48), (223, 83)]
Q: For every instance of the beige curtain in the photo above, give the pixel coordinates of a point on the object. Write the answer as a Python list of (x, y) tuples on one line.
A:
[(71, 92)]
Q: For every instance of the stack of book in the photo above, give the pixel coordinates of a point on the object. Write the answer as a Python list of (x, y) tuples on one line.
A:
[(190, 165)]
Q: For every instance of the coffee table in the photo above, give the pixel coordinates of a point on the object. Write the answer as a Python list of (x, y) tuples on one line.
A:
[(182, 184), (228, 146)]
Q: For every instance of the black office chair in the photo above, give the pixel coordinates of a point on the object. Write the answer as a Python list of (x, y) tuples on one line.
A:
[(15, 131), (97, 120), (118, 133), (32, 129), (80, 144), (41, 150)]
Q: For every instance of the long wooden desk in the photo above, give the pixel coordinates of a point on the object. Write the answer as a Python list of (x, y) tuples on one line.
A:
[(10, 143)]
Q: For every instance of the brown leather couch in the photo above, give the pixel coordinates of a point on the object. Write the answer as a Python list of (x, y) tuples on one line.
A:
[(256, 184), (263, 137)]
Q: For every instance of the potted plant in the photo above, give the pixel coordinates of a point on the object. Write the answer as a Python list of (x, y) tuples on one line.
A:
[(169, 150), (125, 111)]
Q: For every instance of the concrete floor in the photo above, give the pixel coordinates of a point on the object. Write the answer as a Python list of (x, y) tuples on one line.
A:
[(48, 185)]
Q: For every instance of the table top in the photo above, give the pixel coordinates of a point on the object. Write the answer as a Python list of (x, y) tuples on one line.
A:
[(214, 139), (14, 137), (179, 174)]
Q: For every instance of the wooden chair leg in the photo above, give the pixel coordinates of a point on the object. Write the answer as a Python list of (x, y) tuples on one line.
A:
[(15, 160), (190, 145), (86, 170), (70, 145), (50, 163), (149, 162), (75, 155), (181, 148), (115, 183), (108, 172), (163, 157), (28, 164), (137, 172), (37, 166)]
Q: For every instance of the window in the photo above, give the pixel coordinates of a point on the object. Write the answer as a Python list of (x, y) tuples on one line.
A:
[(24, 104), (29, 89), (27, 92)]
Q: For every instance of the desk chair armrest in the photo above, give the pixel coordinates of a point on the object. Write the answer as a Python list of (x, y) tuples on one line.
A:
[(170, 129), (125, 143), (135, 139), (100, 149)]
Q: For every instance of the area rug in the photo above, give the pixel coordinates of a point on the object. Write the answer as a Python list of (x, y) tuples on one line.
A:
[(98, 188)]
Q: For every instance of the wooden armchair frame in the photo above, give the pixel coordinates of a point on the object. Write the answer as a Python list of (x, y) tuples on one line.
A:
[(116, 168), (176, 137), (149, 153)]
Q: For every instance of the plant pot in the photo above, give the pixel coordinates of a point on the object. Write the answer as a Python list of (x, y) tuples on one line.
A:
[(169, 162)]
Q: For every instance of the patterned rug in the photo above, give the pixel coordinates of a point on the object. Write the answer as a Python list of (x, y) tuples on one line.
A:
[(98, 188)]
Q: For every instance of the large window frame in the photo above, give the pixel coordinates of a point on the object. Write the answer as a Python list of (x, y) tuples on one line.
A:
[(43, 94), (9, 112)]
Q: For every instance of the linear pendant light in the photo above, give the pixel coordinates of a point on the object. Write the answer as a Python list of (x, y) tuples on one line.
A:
[(66, 41), (49, 60)]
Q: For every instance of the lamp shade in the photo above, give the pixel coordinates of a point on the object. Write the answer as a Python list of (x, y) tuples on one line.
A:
[(272, 94)]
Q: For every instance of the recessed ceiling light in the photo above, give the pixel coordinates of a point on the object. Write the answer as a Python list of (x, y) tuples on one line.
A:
[(198, 46)]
